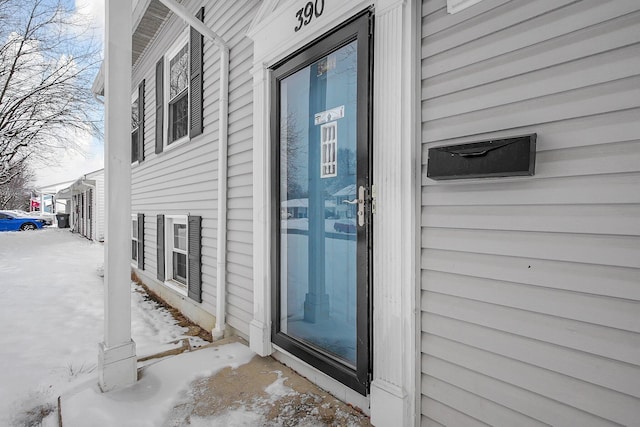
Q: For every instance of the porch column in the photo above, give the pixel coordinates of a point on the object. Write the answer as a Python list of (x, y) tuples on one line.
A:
[(260, 326), (117, 354), (395, 231)]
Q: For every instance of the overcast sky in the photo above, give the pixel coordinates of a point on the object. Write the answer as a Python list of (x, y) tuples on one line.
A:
[(73, 165)]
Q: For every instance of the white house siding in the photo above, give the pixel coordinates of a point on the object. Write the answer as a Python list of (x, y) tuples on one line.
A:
[(530, 287), (98, 216), (183, 180), (87, 191)]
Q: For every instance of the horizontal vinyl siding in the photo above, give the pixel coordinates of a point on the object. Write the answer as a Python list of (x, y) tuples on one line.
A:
[(184, 180), (530, 287), (99, 203), (240, 268)]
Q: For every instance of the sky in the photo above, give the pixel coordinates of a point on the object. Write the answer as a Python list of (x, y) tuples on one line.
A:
[(72, 165)]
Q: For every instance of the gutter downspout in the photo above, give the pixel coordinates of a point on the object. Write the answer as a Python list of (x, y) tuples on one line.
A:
[(221, 286), (223, 119)]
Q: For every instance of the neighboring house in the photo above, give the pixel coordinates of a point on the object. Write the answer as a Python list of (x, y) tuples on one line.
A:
[(48, 196), (502, 300), (86, 205)]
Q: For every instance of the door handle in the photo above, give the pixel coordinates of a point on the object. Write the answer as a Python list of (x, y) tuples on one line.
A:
[(360, 202)]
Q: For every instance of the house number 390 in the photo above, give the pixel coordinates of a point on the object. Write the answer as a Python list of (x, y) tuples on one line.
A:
[(306, 14)]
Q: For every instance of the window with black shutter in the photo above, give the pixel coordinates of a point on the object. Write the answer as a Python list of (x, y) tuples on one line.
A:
[(177, 70), (134, 238), (196, 83), (160, 105), (181, 254), (140, 221), (141, 118), (137, 124), (160, 247), (179, 90), (135, 127), (194, 255)]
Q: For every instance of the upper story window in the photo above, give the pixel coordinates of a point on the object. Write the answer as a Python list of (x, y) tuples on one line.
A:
[(177, 91), (135, 126)]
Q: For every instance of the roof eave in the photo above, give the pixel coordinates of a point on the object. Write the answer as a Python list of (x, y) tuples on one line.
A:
[(147, 18)]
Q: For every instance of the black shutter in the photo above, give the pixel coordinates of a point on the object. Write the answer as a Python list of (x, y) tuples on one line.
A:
[(159, 105), (141, 241), (196, 86), (194, 227), (141, 121), (160, 247)]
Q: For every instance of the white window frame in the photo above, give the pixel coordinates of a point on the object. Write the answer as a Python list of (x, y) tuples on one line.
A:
[(134, 238), (134, 97), (178, 45), (169, 222)]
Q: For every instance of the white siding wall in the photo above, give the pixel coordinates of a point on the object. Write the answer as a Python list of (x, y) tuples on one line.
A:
[(531, 287), (98, 196), (184, 180)]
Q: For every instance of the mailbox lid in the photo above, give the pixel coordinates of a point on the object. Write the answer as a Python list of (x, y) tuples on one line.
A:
[(514, 156)]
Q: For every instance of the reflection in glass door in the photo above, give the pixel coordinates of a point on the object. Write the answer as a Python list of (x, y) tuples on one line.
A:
[(322, 307)]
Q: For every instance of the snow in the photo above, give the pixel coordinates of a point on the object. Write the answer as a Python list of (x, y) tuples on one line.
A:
[(150, 400), (277, 389), (51, 320)]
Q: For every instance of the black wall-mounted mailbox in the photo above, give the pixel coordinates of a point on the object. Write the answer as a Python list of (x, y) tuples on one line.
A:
[(515, 156)]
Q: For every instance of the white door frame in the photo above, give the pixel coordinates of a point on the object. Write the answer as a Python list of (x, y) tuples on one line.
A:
[(396, 177)]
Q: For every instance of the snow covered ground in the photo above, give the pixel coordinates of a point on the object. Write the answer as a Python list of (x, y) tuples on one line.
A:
[(51, 320)]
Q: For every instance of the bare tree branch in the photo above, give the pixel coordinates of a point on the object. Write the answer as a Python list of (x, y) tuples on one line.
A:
[(15, 193), (47, 64)]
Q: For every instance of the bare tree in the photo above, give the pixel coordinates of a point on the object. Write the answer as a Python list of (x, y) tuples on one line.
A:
[(47, 64), (290, 138), (16, 194)]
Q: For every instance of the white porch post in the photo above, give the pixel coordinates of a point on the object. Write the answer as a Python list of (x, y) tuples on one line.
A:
[(117, 354), (393, 388), (260, 327)]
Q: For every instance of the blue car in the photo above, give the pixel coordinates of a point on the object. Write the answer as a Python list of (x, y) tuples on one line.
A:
[(12, 222)]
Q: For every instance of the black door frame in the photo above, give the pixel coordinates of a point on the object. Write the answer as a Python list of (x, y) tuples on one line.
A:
[(358, 28)]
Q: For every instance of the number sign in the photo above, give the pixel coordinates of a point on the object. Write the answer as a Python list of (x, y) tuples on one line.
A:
[(308, 12)]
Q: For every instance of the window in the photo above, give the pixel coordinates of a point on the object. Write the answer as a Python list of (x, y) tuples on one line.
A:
[(176, 255), (178, 86), (177, 91), (179, 253), (134, 238), (328, 144), (135, 126)]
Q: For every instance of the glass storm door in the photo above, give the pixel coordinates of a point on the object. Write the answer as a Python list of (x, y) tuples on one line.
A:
[(322, 209)]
